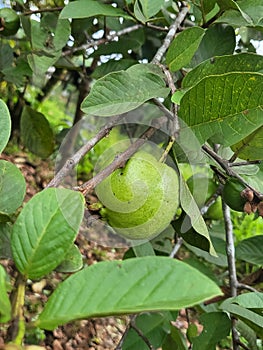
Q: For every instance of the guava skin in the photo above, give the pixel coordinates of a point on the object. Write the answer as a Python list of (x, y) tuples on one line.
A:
[(140, 199), (9, 21), (232, 194)]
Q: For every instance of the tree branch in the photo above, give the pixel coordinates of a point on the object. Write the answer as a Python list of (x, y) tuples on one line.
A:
[(121, 158), (170, 35), (227, 167), (101, 41), (230, 252), (74, 160)]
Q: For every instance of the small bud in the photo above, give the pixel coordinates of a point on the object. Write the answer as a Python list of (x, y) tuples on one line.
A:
[(248, 194), (260, 209), (248, 208)]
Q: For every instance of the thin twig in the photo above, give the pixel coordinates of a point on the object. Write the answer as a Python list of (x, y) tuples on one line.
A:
[(170, 35), (120, 159), (176, 247), (140, 333), (230, 252), (102, 41), (227, 167), (246, 286), (50, 9), (74, 160)]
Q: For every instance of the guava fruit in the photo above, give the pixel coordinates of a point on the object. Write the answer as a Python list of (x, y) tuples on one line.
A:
[(9, 21), (232, 194), (140, 199), (202, 188)]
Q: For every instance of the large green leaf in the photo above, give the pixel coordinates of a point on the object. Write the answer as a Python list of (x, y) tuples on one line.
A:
[(218, 40), (248, 308), (217, 326), (45, 230), (12, 187), (5, 306), (243, 13), (36, 133), (154, 326), (122, 287), (251, 147), (250, 250), (183, 47), (243, 62), (120, 92), (91, 8), (223, 107), (5, 125)]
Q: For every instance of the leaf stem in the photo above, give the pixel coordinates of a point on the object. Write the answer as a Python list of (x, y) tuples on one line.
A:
[(16, 331)]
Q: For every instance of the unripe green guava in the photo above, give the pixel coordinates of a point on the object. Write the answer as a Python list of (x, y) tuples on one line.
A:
[(9, 21), (140, 199), (202, 188), (232, 194)]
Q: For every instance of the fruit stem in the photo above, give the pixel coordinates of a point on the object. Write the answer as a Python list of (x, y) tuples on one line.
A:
[(167, 149)]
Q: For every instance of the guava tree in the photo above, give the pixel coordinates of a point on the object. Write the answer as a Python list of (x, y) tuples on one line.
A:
[(161, 103)]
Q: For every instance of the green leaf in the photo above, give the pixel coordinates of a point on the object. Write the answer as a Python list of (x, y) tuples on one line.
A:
[(223, 107), (5, 306), (47, 42), (5, 237), (36, 133), (175, 340), (72, 261), (143, 284), (91, 8), (120, 92), (154, 327), (220, 247), (218, 40), (5, 125), (12, 188), (251, 147), (248, 333), (243, 62), (248, 309), (143, 249), (217, 326), (193, 227), (112, 66), (45, 230), (243, 13), (250, 250), (183, 47), (6, 56), (145, 9)]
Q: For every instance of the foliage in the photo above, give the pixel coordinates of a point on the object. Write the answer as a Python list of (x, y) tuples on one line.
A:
[(86, 83)]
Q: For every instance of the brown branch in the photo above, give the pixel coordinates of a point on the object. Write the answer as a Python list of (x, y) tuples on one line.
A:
[(74, 160), (51, 9), (102, 41), (227, 167), (170, 35), (230, 252), (120, 159)]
